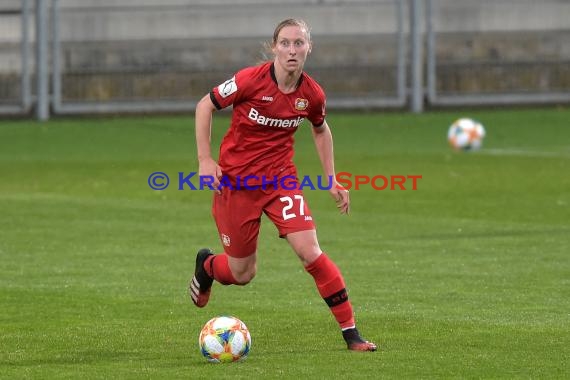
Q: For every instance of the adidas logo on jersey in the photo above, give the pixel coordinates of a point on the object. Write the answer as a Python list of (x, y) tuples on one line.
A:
[(274, 122), (267, 98)]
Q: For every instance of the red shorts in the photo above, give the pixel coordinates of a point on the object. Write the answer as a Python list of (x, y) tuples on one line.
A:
[(238, 216)]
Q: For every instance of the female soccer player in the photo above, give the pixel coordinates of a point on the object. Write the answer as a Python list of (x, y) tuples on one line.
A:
[(269, 101)]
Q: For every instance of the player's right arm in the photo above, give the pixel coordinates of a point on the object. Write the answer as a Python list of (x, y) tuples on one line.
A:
[(207, 165)]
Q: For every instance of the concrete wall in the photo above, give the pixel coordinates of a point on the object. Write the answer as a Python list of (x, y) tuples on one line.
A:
[(87, 20), (114, 49)]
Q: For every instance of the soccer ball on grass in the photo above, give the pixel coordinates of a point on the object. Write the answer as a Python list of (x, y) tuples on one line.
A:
[(466, 134), (224, 339)]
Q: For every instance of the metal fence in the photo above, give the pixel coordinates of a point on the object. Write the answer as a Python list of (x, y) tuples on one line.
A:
[(506, 53), (15, 74), (169, 70), (89, 56)]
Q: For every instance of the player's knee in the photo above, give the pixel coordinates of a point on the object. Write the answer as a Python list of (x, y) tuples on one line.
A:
[(309, 254), (244, 277)]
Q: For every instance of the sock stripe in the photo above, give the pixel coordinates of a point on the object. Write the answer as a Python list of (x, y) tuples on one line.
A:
[(211, 269), (332, 289), (337, 298)]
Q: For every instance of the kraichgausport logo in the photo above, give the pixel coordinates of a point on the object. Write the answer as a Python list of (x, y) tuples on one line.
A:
[(274, 122), (160, 181)]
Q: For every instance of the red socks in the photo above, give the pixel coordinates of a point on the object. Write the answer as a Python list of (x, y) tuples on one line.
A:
[(331, 287), (217, 267), (326, 274)]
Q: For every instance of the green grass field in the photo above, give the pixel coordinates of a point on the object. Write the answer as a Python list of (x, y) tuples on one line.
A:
[(466, 277)]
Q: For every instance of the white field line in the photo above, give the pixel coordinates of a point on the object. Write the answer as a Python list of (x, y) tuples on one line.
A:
[(524, 153)]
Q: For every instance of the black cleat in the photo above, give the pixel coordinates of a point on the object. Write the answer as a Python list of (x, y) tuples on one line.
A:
[(201, 284), (355, 342)]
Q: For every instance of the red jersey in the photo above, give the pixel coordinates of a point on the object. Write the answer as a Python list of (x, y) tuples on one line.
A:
[(260, 140)]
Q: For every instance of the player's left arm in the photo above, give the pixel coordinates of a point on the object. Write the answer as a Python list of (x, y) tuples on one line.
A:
[(324, 143)]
